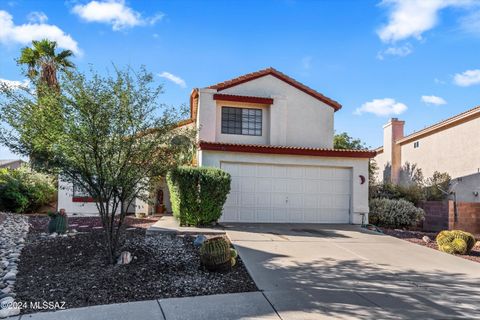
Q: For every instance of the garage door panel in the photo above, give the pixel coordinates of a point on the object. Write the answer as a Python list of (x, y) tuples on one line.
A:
[(295, 214), (279, 215), (247, 199), (247, 184), (340, 187), (287, 193), (295, 172), (280, 185), (246, 214), (263, 199), (295, 201), (230, 214), (295, 186), (342, 174), (279, 200), (279, 171), (232, 199), (264, 185), (264, 215)]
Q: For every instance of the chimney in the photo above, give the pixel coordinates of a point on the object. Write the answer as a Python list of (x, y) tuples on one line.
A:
[(393, 131)]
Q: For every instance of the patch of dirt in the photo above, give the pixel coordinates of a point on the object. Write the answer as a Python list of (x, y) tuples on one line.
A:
[(74, 269), (416, 237)]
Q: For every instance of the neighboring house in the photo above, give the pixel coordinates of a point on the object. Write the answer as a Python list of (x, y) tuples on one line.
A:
[(451, 146), (274, 136), (11, 164)]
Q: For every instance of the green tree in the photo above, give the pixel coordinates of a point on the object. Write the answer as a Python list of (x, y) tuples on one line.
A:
[(344, 141), (43, 62), (114, 138)]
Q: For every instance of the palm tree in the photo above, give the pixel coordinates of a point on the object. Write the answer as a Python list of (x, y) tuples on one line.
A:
[(43, 62)]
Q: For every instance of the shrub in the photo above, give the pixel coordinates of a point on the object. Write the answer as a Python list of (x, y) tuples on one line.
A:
[(394, 213), (437, 186), (455, 241), (198, 194), (412, 193), (24, 190)]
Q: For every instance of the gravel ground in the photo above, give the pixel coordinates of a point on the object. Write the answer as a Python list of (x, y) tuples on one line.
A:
[(73, 269), (416, 237), (39, 222)]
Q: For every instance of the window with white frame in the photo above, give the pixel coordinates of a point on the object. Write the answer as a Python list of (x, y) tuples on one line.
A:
[(243, 121)]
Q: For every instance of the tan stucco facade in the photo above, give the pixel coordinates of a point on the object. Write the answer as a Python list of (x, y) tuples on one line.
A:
[(452, 146), (294, 119)]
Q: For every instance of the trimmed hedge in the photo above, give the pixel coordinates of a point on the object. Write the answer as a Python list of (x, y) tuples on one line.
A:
[(394, 213), (198, 194)]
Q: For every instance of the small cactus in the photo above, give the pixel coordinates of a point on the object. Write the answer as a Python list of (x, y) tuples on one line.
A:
[(216, 254), (58, 223), (455, 241)]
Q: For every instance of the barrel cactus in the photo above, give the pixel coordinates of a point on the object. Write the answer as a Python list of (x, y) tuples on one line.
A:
[(455, 241), (216, 254), (58, 222)]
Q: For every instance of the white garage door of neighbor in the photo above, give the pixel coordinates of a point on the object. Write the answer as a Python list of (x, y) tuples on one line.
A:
[(284, 193)]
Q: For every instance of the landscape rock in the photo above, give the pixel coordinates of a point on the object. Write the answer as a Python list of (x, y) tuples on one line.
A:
[(199, 240), (426, 239), (125, 258), (9, 312), (6, 302), (13, 231)]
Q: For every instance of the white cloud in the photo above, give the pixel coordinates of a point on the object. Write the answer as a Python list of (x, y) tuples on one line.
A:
[(400, 51), (433, 100), (25, 33), (37, 17), (467, 78), (175, 79), (471, 23), (113, 12), (14, 84), (411, 18), (382, 107)]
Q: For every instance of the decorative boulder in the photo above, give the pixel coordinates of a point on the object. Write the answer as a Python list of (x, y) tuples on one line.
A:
[(426, 239), (125, 258), (199, 240)]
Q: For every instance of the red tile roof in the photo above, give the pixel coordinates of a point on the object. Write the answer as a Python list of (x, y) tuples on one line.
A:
[(290, 150), (273, 72)]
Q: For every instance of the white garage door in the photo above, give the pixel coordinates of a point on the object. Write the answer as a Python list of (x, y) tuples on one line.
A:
[(285, 193)]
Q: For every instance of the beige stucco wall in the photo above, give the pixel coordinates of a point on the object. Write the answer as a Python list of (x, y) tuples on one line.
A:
[(455, 150), (296, 118), (359, 166), (382, 162)]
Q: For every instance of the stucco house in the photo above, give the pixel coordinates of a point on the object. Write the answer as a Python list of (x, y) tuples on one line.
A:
[(451, 146), (12, 164), (274, 136)]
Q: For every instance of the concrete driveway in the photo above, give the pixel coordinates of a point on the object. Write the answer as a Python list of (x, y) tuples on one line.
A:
[(344, 272)]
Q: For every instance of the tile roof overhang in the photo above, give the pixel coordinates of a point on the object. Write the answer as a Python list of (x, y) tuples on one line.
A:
[(287, 150)]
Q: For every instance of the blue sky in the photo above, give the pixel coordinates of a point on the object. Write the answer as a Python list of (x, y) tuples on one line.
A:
[(377, 58)]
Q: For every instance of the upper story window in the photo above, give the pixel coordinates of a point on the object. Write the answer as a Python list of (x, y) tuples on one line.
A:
[(416, 144), (242, 121)]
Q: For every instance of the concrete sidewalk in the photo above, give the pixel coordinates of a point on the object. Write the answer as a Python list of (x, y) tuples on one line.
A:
[(344, 272), (234, 306), (168, 224)]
